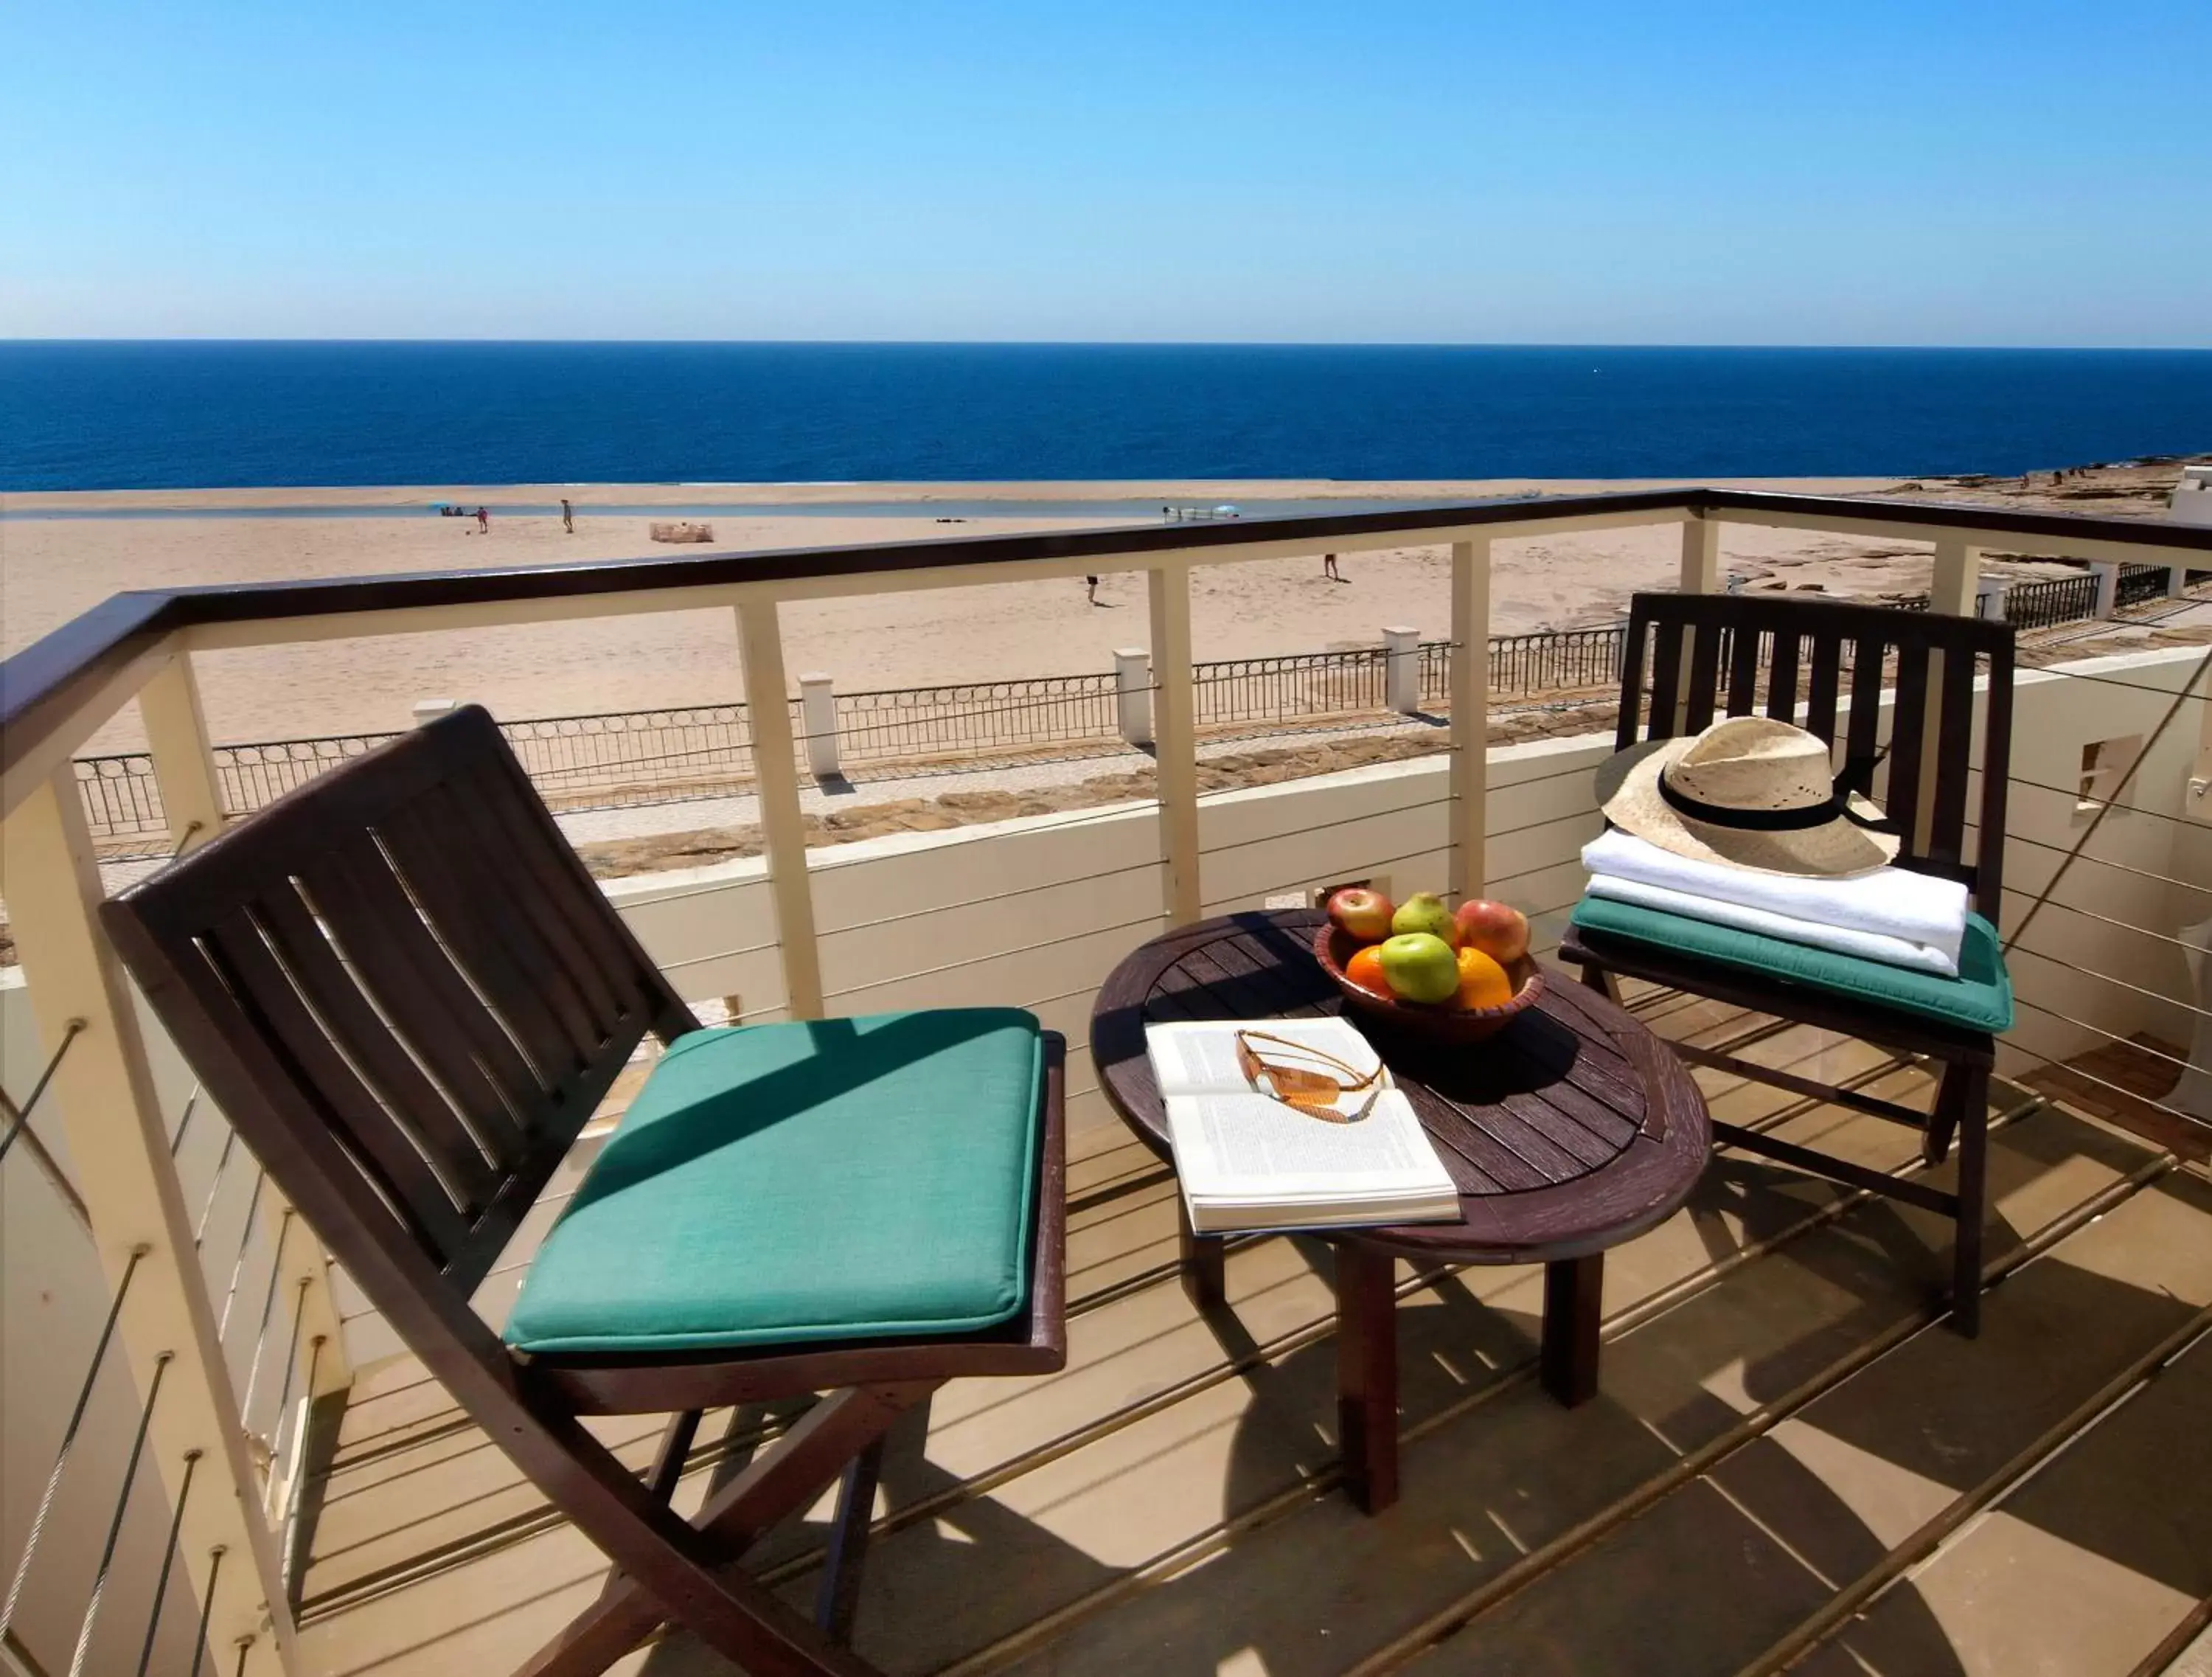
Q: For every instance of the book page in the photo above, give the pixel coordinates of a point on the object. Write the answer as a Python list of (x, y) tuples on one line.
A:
[(1248, 1146), (1200, 1058)]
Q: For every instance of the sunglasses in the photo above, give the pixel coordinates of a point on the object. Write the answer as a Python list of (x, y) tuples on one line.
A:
[(1261, 1058)]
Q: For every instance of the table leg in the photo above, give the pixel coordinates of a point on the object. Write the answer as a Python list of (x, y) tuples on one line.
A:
[(1367, 1374), (1574, 1297), (1204, 1263)]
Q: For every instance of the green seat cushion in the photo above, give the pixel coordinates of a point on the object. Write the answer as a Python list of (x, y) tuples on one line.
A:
[(1979, 998), (828, 1180)]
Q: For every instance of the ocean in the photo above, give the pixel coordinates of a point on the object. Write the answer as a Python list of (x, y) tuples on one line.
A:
[(189, 414)]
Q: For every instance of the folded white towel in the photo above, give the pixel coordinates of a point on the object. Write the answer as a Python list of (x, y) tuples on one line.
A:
[(1843, 940), (1889, 902)]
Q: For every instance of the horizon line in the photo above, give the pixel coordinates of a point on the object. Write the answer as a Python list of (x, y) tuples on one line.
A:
[(213, 339)]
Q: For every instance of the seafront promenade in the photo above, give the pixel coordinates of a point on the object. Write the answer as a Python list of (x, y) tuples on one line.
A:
[(54, 567)]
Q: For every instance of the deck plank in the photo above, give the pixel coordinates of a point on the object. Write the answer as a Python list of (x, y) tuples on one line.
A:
[(1161, 1504), (1824, 1496)]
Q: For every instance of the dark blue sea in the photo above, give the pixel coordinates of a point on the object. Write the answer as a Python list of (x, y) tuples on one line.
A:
[(233, 415)]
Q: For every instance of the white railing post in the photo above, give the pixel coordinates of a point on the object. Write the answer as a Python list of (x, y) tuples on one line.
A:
[(818, 715), (2108, 589), (1701, 555), (429, 710), (1951, 584), (1401, 670), (118, 1138), (1470, 716), (184, 764), (783, 827), (1701, 574), (2176, 581), (1176, 745), (1990, 597), (1132, 695)]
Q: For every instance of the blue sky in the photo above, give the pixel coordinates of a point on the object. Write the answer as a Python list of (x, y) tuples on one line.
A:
[(1943, 172)]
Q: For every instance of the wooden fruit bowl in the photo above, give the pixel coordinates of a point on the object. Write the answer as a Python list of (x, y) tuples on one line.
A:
[(1437, 1022)]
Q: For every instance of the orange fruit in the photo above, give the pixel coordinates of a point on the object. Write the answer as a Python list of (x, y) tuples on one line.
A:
[(1482, 981), (1366, 970)]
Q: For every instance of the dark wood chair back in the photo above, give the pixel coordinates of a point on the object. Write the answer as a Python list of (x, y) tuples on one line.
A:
[(1823, 664), (407, 994)]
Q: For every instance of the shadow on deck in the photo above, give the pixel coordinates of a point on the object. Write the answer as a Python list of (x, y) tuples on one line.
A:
[(1787, 1459)]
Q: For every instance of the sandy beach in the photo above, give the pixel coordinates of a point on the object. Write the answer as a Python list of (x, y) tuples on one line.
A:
[(52, 568)]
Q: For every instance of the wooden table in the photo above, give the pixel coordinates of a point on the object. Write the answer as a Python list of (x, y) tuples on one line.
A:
[(1571, 1130)]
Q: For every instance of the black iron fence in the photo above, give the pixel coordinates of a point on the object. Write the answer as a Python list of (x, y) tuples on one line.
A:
[(655, 756), (2058, 599)]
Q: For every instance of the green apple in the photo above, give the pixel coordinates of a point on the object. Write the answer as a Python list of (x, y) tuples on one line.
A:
[(1420, 966), (1423, 911)]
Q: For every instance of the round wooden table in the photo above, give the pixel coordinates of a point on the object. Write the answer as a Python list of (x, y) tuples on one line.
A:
[(1571, 1130)]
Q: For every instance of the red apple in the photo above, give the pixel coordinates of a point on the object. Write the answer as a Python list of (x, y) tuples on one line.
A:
[(1499, 931), (1364, 914)]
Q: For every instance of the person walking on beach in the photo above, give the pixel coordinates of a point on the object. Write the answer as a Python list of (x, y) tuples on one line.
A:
[(484, 522), (1329, 573), (1091, 584), (568, 516)]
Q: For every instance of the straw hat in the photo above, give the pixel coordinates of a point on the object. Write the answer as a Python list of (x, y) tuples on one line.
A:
[(1748, 792)]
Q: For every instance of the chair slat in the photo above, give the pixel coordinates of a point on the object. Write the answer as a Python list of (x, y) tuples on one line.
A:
[(1955, 739), (1863, 721), (601, 966), (516, 920), (499, 974), (1901, 798), (414, 980), (1782, 679), (1666, 682), (1824, 679), (371, 1044), (1743, 671), (382, 1148), (1632, 683), (1705, 676)]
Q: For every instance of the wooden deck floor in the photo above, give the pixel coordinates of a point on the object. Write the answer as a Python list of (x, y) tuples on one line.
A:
[(1789, 1463)]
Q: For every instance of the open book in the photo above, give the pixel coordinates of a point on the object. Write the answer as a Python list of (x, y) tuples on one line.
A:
[(1247, 1160)]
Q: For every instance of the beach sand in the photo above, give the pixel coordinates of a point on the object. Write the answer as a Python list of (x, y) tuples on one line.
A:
[(52, 568)]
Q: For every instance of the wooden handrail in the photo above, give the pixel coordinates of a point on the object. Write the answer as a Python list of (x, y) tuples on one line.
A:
[(48, 681)]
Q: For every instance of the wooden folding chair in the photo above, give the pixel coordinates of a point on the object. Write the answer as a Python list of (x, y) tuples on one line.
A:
[(1823, 667), (409, 996)]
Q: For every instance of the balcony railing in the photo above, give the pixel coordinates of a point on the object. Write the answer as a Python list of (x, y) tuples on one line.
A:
[(216, 1323)]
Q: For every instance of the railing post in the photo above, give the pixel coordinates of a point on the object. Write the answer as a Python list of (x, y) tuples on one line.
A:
[(1132, 695), (184, 764), (2108, 589), (818, 715), (118, 1138), (1470, 715), (429, 710), (1951, 584), (1401, 670), (1176, 745), (1990, 597), (1701, 555), (783, 828), (1701, 574), (2176, 581)]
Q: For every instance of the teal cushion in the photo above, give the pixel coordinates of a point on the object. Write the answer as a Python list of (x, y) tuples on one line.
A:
[(1979, 998), (829, 1180)]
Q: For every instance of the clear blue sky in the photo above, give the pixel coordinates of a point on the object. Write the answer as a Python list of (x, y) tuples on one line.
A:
[(1787, 172)]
